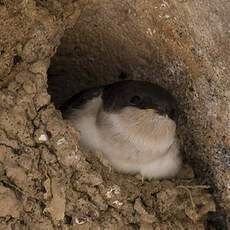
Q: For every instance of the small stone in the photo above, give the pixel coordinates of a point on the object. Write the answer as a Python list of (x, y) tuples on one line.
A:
[(40, 135), (43, 137)]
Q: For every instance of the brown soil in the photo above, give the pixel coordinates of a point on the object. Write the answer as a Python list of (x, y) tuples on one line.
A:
[(47, 181)]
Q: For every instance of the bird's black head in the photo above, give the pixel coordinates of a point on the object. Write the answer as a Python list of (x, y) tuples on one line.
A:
[(140, 94)]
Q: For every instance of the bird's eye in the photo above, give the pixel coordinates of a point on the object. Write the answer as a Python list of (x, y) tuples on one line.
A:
[(135, 100)]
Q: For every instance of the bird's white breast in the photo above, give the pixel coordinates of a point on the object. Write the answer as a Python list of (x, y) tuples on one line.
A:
[(134, 140)]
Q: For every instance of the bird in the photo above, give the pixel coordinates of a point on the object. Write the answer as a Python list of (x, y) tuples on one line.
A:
[(132, 123)]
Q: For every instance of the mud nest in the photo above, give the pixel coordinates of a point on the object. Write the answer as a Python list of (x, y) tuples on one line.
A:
[(47, 181)]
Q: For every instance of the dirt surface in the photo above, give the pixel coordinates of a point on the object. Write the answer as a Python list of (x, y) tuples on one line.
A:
[(47, 181), (36, 193), (182, 45)]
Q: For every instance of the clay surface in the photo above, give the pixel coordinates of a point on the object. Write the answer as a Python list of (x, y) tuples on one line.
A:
[(47, 181), (182, 45)]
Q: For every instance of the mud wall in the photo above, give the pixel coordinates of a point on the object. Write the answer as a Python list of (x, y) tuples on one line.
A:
[(46, 182), (183, 45)]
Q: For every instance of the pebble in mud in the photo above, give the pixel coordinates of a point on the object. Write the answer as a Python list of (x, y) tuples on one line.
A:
[(142, 57)]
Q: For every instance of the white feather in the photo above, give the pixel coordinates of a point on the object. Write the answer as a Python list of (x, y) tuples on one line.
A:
[(133, 140)]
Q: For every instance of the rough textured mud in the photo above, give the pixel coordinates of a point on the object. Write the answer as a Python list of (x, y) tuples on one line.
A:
[(183, 45), (46, 182)]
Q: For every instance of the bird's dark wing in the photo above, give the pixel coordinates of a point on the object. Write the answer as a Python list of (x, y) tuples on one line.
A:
[(79, 99)]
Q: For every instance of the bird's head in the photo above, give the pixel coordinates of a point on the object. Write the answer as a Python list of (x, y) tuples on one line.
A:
[(139, 95)]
